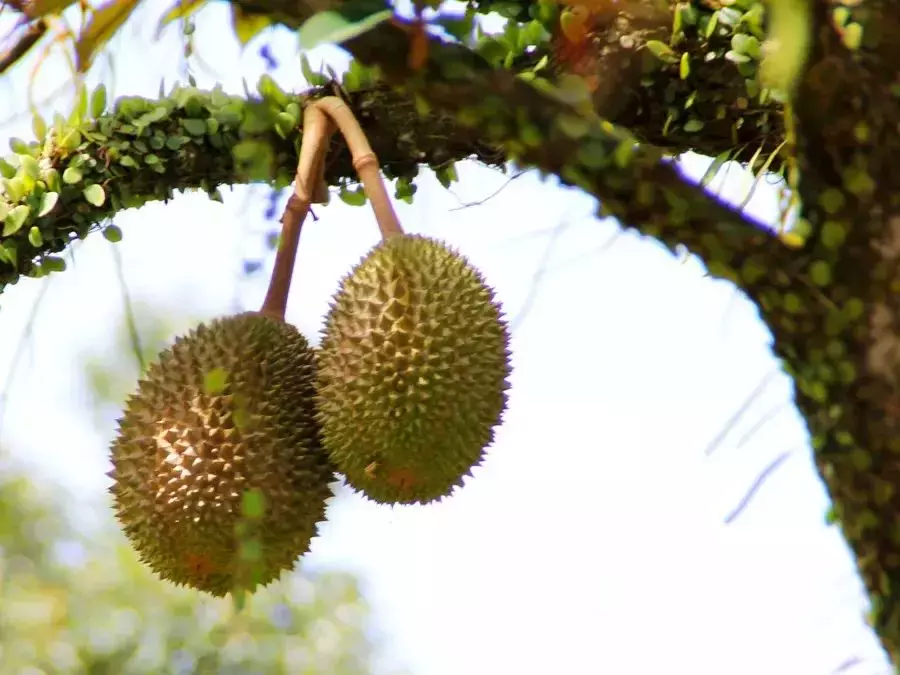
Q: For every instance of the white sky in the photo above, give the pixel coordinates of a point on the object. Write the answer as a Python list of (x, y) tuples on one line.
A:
[(592, 539)]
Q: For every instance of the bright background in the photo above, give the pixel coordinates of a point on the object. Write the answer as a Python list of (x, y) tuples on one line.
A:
[(593, 539)]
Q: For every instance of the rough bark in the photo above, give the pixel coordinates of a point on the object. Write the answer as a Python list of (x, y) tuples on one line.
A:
[(841, 342)]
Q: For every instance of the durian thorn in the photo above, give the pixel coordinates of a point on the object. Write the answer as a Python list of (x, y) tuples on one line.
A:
[(317, 131), (364, 161)]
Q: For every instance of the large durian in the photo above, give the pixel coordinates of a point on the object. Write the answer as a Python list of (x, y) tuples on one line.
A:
[(413, 370), (219, 474)]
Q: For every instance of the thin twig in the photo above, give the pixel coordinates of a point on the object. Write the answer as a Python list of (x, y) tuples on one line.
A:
[(130, 322), (852, 662), (769, 415), (764, 475), (729, 425), (539, 274), (481, 202), (22, 45)]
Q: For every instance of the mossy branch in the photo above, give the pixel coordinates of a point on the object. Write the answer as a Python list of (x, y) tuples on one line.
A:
[(147, 150), (714, 106), (841, 344)]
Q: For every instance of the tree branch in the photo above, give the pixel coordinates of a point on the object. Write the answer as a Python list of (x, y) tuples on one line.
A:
[(112, 151), (632, 182), (841, 343), (719, 101), (21, 44)]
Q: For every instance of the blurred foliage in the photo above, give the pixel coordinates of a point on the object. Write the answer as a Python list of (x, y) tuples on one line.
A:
[(143, 331), (74, 597), (69, 604)]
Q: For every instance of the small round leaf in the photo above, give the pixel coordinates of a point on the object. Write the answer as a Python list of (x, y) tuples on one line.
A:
[(94, 194)]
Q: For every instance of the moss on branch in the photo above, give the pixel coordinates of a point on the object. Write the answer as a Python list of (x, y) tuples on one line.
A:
[(539, 129), (842, 345), (146, 150), (702, 96)]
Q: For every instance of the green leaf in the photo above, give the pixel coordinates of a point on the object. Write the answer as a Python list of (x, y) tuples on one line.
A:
[(247, 26), (693, 125), (215, 381), (112, 233), (253, 504), (34, 236), (48, 201), (268, 88), (103, 23), (405, 190), (662, 51), (352, 197), (39, 127), (195, 127), (306, 69), (98, 101), (51, 179), (30, 166), (285, 124), (14, 188), (746, 44), (447, 175), (713, 168), (80, 109), (15, 219), (71, 176), (335, 27), (8, 254), (18, 146), (95, 194), (53, 263), (7, 170), (254, 158)]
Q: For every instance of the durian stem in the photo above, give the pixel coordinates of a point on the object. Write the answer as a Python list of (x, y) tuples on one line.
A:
[(364, 162), (317, 131)]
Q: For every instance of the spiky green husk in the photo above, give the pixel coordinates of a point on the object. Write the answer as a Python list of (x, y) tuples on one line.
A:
[(226, 413), (413, 371)]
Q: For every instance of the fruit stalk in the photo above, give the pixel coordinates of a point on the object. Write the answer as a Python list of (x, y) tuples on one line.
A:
[(364, 160), (317, 131)]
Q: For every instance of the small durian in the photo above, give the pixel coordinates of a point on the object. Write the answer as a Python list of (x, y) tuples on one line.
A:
[(219, 474), (412, 371)]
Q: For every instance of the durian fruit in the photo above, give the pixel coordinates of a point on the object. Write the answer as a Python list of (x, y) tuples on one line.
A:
[(413, 370), (226, 414)]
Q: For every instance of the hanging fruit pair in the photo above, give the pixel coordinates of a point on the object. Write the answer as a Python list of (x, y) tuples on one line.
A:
[(225, 453)]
